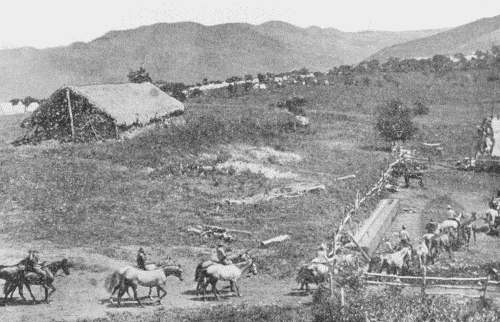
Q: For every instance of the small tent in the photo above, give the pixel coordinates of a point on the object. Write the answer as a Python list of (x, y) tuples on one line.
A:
[(96, 112)]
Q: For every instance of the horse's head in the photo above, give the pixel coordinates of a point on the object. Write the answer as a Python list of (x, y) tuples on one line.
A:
[(65, 265), (175, 270), (253, 268)]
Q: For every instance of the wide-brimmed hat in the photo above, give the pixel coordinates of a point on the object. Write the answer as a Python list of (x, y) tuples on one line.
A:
[(449, 207)]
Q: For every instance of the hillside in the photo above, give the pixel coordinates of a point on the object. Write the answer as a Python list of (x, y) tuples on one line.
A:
[(188, 52), (466, 39)]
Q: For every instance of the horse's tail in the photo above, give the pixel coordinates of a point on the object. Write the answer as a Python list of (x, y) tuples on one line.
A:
[(198, 272), (111, 281), (304, 275)]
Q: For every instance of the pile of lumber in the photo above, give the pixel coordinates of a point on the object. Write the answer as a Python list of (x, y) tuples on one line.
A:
[(209, 231)]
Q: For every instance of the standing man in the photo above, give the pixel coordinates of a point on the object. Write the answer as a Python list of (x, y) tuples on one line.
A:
[(451, 213), (404, 237), (431, 227), (322, 255)]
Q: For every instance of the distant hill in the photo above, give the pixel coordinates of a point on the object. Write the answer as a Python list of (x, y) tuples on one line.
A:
[(466, 39), (188, 52)]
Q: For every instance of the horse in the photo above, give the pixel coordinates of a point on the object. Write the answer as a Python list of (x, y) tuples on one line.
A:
[(491, 216), (421, 253), (439, 241), (198, 274), (132, 277), (475, 225), (113, 282), (32, 278), (11, 274), (451, 226), (395, 261), (232, 273), (312, 273)]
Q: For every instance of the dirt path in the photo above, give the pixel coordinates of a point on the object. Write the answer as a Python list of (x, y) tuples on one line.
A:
[(82, 293)]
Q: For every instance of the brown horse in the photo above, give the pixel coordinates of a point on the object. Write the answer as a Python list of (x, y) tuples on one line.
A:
[(31, 278)]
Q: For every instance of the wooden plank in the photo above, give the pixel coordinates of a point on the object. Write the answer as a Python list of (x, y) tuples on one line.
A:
[(460, 279), (70, 114), (455, 287), (387, 283), (393, 276)]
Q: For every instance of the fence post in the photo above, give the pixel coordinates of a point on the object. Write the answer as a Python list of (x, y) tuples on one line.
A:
[(424, 282), (430, 163), (333, 264), (486, 286)]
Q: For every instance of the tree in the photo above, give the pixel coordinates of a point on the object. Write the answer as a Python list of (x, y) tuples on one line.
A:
[(248, 77), (394, 122), (139, 76)]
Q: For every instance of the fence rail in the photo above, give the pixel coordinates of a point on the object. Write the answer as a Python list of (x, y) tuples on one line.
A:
[(472, 290)]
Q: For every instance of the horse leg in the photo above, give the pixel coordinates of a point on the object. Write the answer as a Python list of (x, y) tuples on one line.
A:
[(237, 288), (163, 288), (134, 288), (149, 294), (213, 282), (29, 290), (121, 292)]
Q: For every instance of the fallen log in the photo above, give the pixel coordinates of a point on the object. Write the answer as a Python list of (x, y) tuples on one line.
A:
[(222, 229), (277, 239), (346, 177)]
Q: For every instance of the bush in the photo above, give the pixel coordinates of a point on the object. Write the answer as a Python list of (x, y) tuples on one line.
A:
[(420, 109), (394, 122), (294, 105)]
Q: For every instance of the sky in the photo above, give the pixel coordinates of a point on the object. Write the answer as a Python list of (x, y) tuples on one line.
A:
[(50, 23)]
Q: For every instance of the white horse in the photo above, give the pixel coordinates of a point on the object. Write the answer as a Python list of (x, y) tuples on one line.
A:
[(421, 253), (451, 226), (232, 273), (395, 261), (133, 277)]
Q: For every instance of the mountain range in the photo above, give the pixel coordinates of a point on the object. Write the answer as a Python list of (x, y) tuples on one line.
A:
[(188, 52), (466, 39)]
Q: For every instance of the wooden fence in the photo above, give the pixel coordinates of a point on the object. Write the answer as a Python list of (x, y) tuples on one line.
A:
[(432, 285)]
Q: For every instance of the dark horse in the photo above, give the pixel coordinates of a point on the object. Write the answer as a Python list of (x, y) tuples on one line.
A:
[(32, 278), (402, 169), (12, 274)]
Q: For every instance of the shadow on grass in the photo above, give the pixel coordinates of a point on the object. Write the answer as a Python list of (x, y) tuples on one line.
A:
[(300, 293), (375, 148), (131, 302), (19, 302)]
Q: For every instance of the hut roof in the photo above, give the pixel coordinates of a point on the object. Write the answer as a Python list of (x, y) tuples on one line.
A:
[(130, 102)]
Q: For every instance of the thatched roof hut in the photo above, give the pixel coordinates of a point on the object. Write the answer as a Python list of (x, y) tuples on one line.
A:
[(98, 112)]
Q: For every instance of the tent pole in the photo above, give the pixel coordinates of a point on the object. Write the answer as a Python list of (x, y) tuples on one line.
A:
[(70, 115)]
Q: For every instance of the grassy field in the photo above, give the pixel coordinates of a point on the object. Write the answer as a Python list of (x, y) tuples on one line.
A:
[(102, 194)]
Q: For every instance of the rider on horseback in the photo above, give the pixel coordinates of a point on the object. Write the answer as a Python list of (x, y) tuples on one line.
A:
[(322, 255), (451, 213), (32, 264), (431, 227), (221, 254), (141, 259)]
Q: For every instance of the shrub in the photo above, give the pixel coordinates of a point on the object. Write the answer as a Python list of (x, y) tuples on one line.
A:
[(394, 122), (420, 109)]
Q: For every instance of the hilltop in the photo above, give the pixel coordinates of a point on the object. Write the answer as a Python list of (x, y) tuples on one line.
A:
[(188, 52), (478, 35)]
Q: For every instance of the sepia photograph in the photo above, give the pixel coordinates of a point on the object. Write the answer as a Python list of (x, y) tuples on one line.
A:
[(230, 161)]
